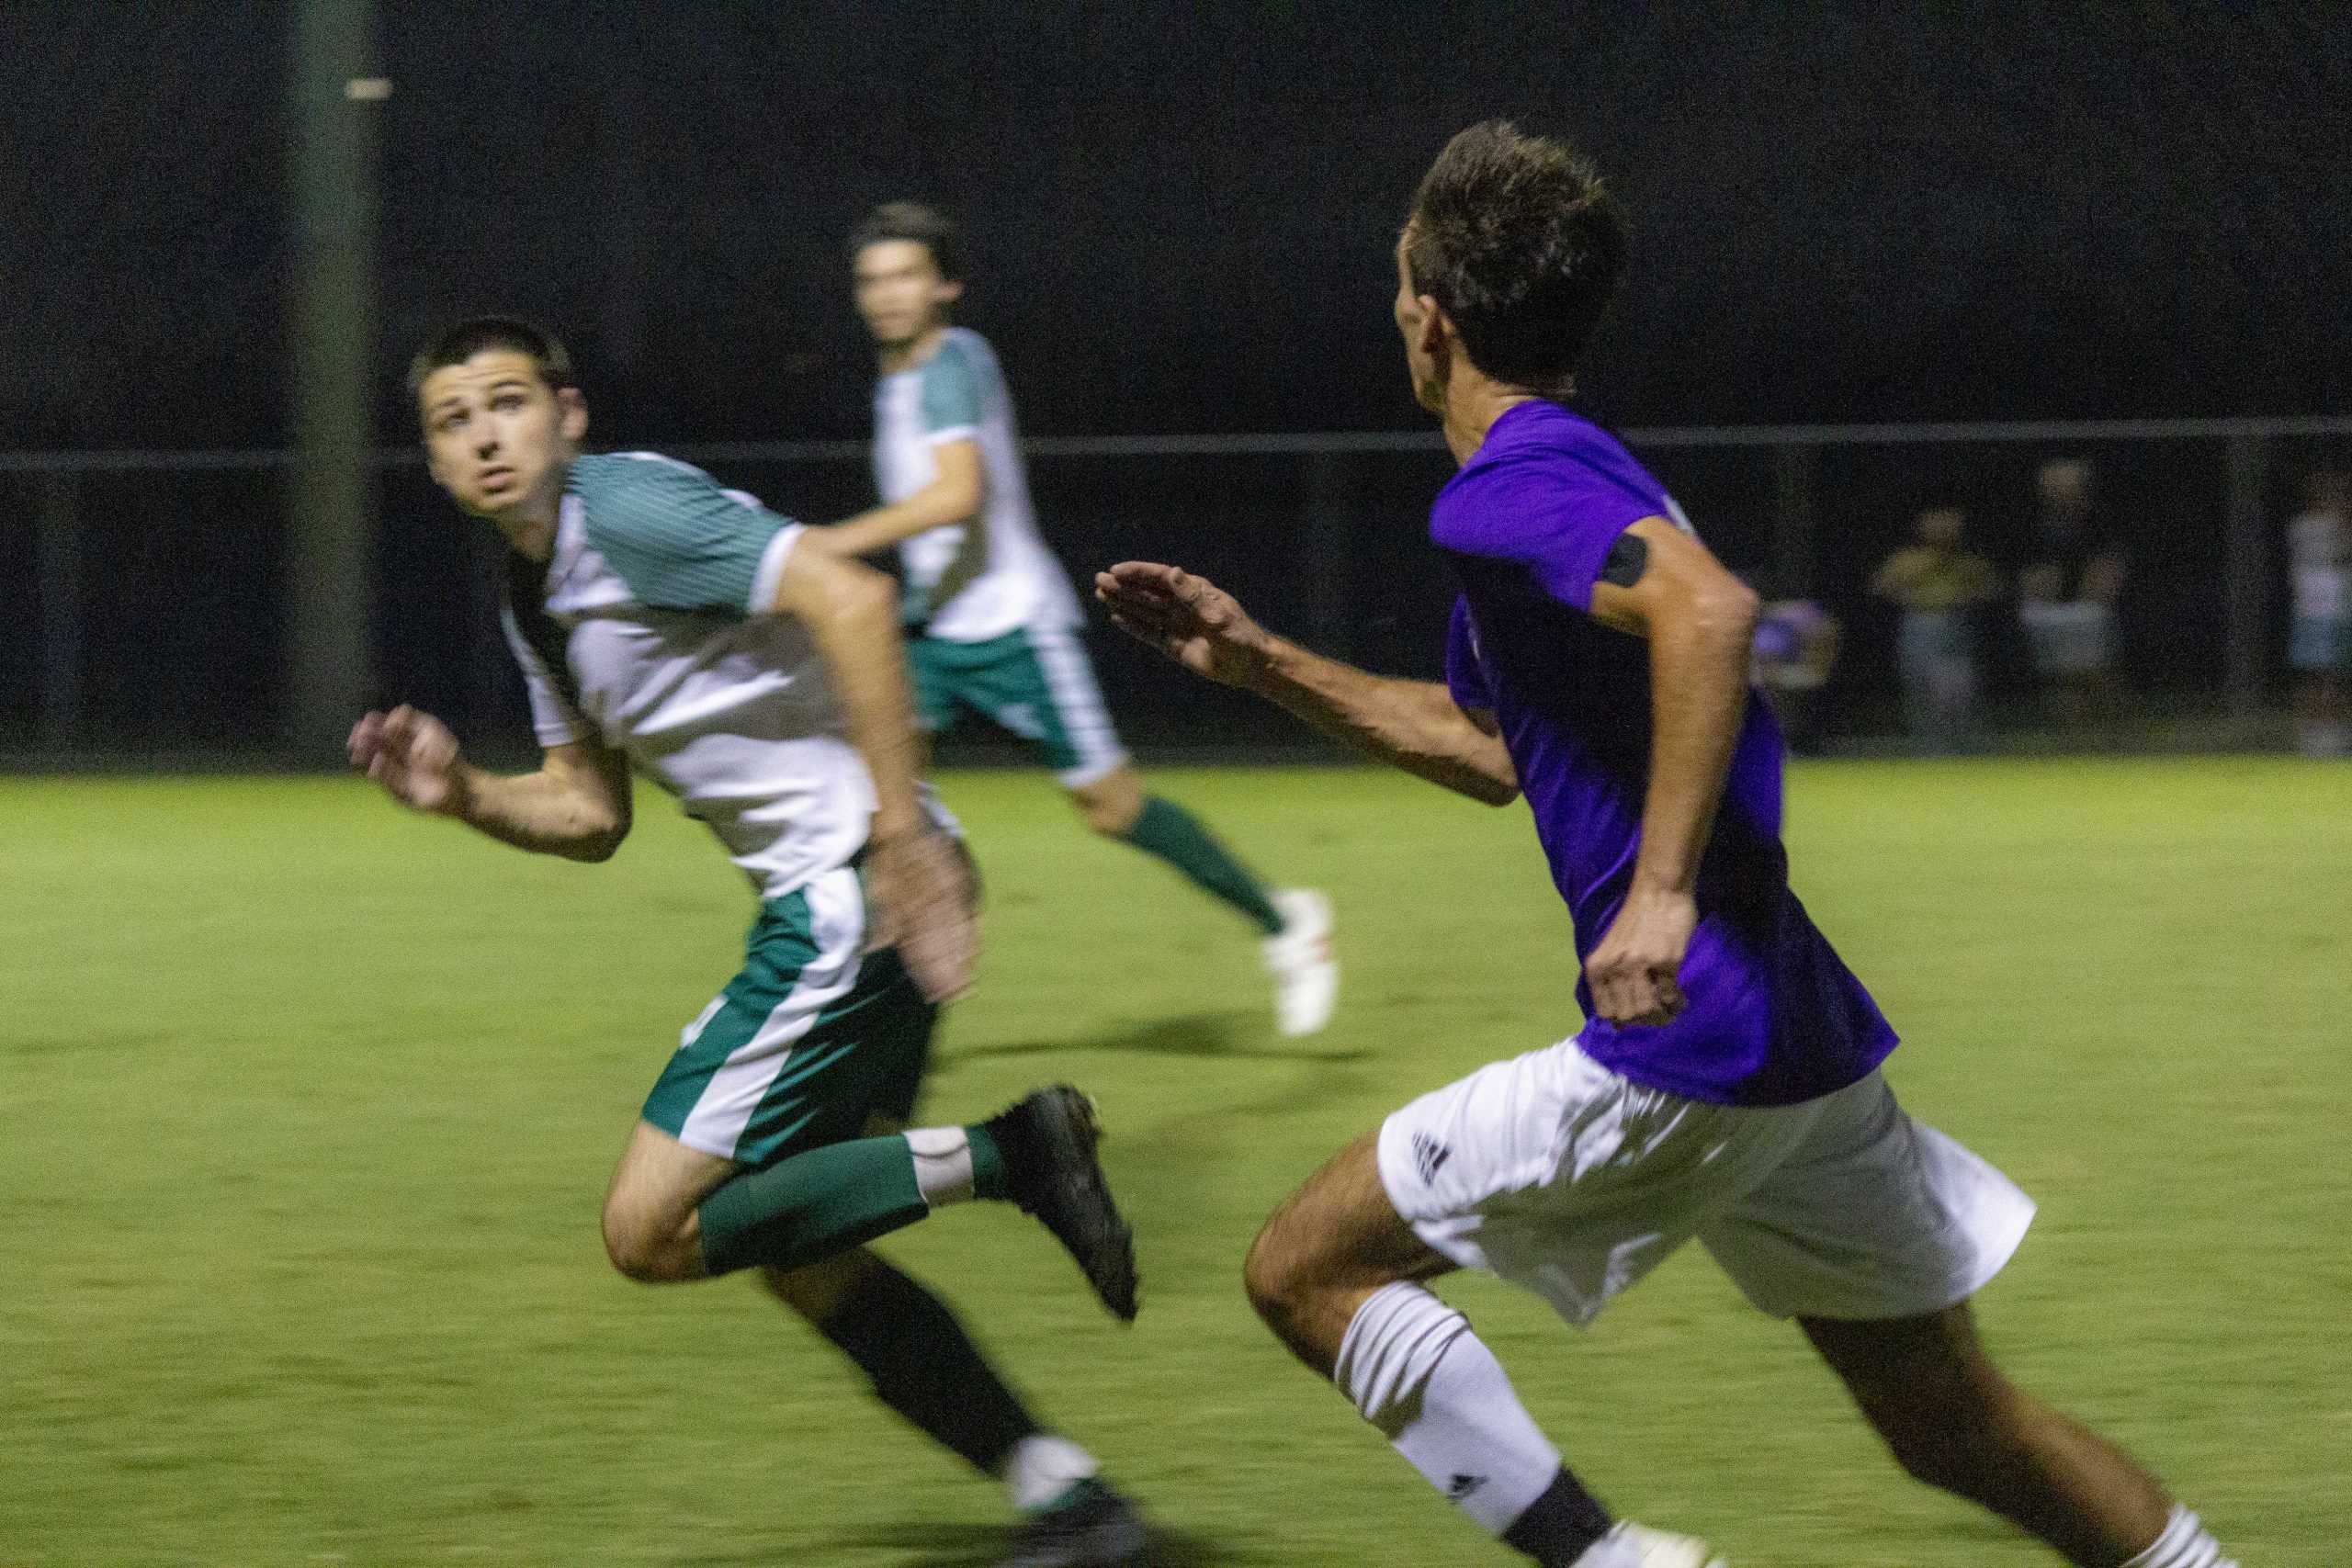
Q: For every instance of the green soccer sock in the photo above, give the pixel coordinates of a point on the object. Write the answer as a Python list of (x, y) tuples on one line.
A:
[(828, 1200), (1176, 835)]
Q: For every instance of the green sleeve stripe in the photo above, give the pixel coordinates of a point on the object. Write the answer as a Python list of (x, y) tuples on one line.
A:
[(675, 537), (951, 390)]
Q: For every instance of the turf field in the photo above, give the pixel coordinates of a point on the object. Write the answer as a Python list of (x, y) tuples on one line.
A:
[(310, 1106)]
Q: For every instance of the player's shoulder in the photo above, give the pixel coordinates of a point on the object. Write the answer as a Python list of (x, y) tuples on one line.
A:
[(1539, 462), (605, 475)]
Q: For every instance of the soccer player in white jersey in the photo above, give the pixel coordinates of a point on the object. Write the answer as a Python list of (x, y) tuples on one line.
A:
[(992, 623), (1725, 1086), (666, 625)]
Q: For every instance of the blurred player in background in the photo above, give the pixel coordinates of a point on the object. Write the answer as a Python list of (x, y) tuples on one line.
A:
[(993, 624), (664, 624), (2319, 638), (2068, 592), (1795, 650), (1938, 584), (1725, 1086)]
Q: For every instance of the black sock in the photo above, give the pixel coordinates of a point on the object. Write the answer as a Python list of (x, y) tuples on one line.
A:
[(1560, 1525), (925, 1367)]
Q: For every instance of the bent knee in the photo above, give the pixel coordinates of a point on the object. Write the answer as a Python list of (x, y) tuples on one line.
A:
[(1110, 818), (1276, 1279), (649, 1253)]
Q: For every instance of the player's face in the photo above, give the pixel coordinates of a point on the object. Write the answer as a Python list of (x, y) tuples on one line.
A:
[(1416, 321), (496, 435), (899, 291)]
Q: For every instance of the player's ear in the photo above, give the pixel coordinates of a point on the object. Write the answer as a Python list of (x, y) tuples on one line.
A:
[(1434, 328), (571, 413), (949, 291)]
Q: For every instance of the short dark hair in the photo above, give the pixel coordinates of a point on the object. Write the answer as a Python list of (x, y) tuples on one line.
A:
[(1522, 247), (926, 226), (460, 341)]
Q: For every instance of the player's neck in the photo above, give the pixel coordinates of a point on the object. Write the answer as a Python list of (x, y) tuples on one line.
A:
[(529, 526), (1473, 403), (896, 356)]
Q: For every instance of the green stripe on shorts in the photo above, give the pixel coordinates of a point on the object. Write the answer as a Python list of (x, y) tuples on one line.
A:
[(807, 1044), (1035, 682)]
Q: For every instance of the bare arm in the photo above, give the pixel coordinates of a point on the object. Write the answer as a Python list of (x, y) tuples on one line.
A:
[(915, 877), (955, 496), (1701, 622), (1412, 725), (577, 805)]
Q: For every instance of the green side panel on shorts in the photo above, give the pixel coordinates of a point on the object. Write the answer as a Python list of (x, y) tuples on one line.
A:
[(999, 678), (862, 1056)]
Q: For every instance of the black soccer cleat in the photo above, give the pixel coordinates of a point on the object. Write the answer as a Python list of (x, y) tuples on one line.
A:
[(1049, 1166), (1096, 1529)]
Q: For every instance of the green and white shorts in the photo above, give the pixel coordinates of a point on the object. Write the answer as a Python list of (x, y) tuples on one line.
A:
[(1036, 683), (807, 1044)]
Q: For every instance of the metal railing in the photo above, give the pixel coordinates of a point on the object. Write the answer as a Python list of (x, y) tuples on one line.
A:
[(1806, 503)]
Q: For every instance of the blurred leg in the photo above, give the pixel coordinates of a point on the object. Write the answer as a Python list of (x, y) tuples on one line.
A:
[(1954, 1422)]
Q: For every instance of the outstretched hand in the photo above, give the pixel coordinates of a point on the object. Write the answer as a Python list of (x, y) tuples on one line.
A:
[(1189, 618), (413, 755), (921, 899)]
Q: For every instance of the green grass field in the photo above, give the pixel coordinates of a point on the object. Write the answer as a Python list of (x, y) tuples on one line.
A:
[(310, 1106)]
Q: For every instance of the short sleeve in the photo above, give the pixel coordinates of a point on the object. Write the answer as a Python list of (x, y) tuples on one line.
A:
[(950, 395), (1550, 524), (553, 720), (677, 539), (1465, 676)]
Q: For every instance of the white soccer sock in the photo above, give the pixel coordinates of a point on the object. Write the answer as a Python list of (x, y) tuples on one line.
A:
[(1042, 1467), (1418, 1374), (943, 1163), (2184, 1544)]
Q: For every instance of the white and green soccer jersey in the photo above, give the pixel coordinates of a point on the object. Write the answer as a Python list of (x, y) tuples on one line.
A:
[(970, 581), (649, 633)]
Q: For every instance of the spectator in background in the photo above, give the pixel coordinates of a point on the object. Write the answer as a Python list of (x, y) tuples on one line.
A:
[(1938, 584), (1795, 648), (2319, 645), (2068, 592)]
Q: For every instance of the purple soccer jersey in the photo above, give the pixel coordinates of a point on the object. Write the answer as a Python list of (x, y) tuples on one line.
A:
[(1774, 1016)]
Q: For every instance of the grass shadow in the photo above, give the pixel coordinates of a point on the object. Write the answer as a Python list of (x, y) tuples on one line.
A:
[(1188, 1034), (976, 1546)]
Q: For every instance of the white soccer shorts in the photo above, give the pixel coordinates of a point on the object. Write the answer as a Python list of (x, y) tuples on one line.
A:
[(1561, 1175)]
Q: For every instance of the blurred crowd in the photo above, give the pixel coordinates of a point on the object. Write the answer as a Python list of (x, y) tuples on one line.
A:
[(1950, 601)]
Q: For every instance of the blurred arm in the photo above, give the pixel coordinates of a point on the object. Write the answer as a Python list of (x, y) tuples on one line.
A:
[(1413, 725), (577, 805), (955, 496)]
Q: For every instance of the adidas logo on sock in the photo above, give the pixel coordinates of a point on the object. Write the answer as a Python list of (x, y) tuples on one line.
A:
[(1430, 1156), (1464, 1485)]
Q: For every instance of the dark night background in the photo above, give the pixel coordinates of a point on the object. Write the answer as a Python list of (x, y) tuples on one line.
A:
[(1179, 220)]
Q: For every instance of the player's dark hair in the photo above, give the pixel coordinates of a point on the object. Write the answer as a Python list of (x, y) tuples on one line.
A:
[(926, 226), (1521, 246), (460, 341)]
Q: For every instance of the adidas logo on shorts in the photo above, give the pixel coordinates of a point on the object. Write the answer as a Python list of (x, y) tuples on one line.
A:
[(1430, 1156), (1464, 1485)]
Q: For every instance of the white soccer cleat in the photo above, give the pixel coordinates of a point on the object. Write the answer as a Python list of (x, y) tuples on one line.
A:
[(1306, 977), (1630, 1545)]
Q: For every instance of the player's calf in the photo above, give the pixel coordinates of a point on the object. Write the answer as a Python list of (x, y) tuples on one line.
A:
[(1953, 1421)]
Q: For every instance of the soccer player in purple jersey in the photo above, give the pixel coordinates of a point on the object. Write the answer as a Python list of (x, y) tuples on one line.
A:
[(1725, 1086)]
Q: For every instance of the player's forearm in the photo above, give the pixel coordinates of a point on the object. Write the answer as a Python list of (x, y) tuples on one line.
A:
[(1412, 725), (544, 813), (934, 506), (1698, 700), (857, 635)]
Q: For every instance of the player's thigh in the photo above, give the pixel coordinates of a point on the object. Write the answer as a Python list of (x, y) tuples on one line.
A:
[(1329, 1246), (649, 1214), (1872, 1217), (814, 1036)]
